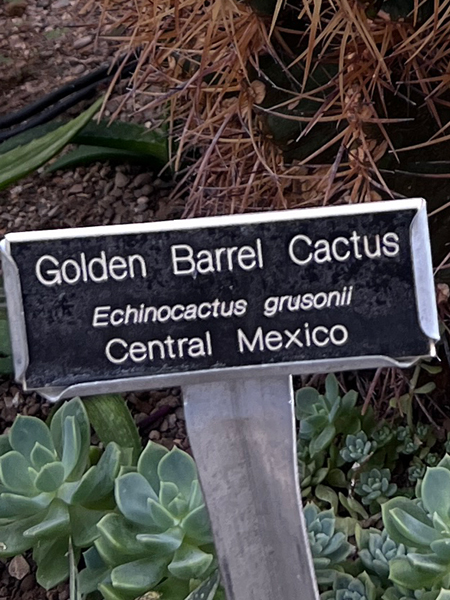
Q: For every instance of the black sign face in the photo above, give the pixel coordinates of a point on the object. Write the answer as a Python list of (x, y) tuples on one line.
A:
[(212, 294)]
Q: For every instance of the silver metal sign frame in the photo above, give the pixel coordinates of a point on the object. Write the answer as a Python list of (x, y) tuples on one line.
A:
[(424, 288)]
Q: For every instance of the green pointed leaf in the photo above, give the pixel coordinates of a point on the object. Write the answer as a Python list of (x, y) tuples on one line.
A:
[(127, 136), (113, 422), (71, 445), (56, 523), (73, 408), (179, 468), (26, 432), (83, 522), (85, 155), (15, 474), (167, 493), (161, 517), (139, 576), (412, 577), (323, 440), (419, 534), (331, 387), (207, 589), (12, 540), (50, 477), (190, 562), (397, 530), (52, 559), (40, 456), (118, 541), (436, 492), (24, 159), (305, 399), (98, 482), (12, 505), (197, 527), (162, 543), (149, 461), (196, 496), (132, 495)]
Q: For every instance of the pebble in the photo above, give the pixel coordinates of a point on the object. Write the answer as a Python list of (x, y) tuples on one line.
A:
[(18, 567), (142, 179), (143, 200), (121, 180), (82, 42), (78, 69)]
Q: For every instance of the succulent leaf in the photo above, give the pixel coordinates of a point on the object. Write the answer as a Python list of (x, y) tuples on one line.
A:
[(149, 461), (138, 576), (98, 481), (71, 445), (132, 494), (54, 524), (190, 562), (41, 456), (53, 562), (16, 475), (26, 432), (179, 468), (436, 492), (50, 477)]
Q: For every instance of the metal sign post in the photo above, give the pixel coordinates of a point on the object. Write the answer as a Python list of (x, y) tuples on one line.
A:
[(229, 308)]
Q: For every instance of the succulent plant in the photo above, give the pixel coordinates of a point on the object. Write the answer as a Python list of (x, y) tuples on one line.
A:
[(49, 492), (160, 539), (329, 547), (432, 459), (346, 587), (409, 447), (403, 433), (424, 528), (416, 470), (312, 472), (383, 435), (322, 417), (374, 485), (357, 448), (376, 550), (422, 431)]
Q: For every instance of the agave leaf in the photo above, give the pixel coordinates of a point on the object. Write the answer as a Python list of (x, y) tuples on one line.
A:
[(127, 136), (98, 482), (22, 160), (28, 431), (139, 576), (113, 422), (50, 477), (12, 540), (119, 540), (207, 589), (87, 154), (436, 492), (52, 559), (305, 399), (12, 505), (190, 562), (71, 445), (56, 523), (40, 456), (132, 494), (197, 527), (162, 543), (149, 461), (16, 475)]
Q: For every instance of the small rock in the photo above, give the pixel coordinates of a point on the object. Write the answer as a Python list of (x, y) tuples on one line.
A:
[(142, 200), (82, 42), (15, 9), (142, 179), (18, 567), (28, 583), (76, 189), (154, 435), (78, 69), (120, 180), (61, 3)]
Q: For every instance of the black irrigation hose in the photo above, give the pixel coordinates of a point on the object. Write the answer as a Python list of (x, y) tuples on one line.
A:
[(50, 106)]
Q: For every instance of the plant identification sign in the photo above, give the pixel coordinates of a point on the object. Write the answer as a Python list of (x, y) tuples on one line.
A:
[(129, 307)]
